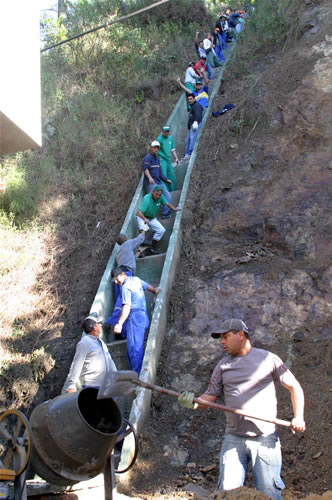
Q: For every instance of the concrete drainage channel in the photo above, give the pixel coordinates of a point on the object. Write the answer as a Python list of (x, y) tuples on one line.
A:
[(155, 269)]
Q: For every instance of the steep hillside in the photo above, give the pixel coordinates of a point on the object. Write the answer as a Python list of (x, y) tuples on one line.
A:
[(257, 245), (257, 237)]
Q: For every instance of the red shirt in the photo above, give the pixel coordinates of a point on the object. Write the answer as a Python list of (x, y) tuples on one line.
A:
[(198, 66)]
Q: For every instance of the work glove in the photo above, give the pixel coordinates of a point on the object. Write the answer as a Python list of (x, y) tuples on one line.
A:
[(145, 227), (186, 399), (195, 125)]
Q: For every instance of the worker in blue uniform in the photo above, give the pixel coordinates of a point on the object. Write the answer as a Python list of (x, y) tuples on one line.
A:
[(134, 313)]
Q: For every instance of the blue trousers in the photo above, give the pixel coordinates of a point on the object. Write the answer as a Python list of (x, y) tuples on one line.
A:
[(165, 209), (191, 139), (114, 318), (137, 323), (265, 455), (223, 41), (219, 53)]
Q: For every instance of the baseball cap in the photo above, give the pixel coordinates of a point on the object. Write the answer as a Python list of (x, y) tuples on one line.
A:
[(191, 64), (91, 321), (198, 83), (155, 143), (159, 189), (227, 325), (116, 272), (165, 128)]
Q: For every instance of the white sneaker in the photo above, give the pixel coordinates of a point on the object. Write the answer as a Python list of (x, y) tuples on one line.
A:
[(186, 157)]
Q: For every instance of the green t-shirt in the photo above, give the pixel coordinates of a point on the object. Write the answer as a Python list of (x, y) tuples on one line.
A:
[(166, 146), (149, 207)]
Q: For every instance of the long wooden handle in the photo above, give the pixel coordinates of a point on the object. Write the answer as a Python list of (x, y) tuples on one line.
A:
[(209, 404)]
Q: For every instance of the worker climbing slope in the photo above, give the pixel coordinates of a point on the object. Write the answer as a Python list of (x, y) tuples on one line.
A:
[(153, 175), (147, 215), (166, 150), (134, 313)]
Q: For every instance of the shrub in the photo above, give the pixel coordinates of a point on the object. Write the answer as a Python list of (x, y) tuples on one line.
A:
[(266, 28), (16, 198)]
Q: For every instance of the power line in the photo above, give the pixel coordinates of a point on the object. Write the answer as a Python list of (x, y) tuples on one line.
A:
[(117, 20)]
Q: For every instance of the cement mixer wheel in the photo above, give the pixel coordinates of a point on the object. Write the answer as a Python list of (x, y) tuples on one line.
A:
[(130, 429), (15, 441)]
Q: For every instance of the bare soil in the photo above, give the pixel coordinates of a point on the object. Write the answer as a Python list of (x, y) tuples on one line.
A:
[(245, 177)]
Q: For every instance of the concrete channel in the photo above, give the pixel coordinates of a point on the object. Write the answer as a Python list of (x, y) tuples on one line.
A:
[(159, 269), (155, 269)]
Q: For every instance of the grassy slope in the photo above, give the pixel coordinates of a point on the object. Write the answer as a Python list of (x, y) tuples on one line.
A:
[(104, 98)]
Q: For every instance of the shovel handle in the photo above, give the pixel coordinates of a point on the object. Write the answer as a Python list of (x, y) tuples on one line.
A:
[(277, 421), (209, 404)]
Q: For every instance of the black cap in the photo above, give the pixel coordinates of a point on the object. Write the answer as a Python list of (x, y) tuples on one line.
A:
[(116, 272), (227, 326)]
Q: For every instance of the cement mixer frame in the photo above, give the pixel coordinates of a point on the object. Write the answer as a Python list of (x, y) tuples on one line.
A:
[(15, 452)]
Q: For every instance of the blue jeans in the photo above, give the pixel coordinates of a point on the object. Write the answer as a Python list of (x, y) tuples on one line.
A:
[(209, 70), (265, 455), (191, 139), (165, 209)]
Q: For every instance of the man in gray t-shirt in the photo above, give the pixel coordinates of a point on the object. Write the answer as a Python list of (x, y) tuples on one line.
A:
[(125, 256), (246, 377)]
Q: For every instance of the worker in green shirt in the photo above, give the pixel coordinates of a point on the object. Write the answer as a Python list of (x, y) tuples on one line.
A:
[(167, 148), (147, 215)]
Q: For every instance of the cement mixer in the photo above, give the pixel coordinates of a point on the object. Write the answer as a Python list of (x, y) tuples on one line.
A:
[(74, 436)]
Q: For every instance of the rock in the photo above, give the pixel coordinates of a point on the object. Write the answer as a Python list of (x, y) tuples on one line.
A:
[(208, 468), (178, 457), (244, 260), (196, 490)]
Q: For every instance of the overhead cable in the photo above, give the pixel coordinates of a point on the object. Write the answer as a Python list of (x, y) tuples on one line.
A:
[(116, 20)]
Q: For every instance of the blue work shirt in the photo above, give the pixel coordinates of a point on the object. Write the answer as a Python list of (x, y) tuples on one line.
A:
[(132, 293), (152, 164)]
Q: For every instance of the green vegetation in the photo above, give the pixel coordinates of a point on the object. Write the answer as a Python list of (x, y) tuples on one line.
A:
[(270, 22), (104, 98)]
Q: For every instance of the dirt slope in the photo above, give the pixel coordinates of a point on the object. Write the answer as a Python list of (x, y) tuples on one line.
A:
[(257, 245)]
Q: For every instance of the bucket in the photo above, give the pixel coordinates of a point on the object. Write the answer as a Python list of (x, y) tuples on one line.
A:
[(73, 435)]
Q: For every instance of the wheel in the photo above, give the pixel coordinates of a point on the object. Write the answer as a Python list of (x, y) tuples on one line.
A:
[(15, 441), (128, 429)]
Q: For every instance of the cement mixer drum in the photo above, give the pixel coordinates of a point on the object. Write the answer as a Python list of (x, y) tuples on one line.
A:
[(73, 435)]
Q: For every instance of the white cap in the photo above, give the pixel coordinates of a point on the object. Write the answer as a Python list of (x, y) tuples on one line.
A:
[(155, 143)]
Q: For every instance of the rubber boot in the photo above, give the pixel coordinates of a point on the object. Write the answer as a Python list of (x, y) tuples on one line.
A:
[(152, 248)]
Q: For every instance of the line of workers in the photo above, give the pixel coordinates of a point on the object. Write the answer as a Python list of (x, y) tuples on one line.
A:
[(129, 317)]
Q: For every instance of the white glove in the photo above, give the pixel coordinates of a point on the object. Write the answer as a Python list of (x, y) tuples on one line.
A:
[(195, 125), (145, 227)]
